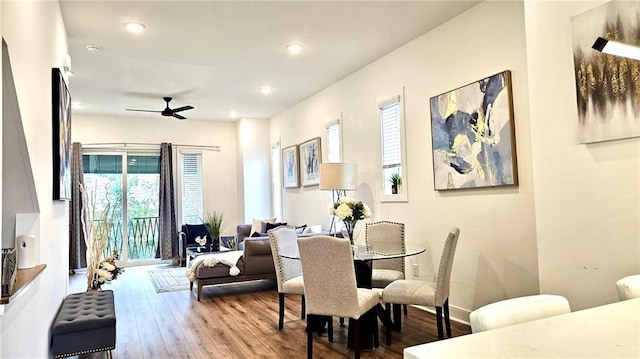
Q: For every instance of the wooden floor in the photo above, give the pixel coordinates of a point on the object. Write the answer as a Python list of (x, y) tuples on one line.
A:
[(232, 321)]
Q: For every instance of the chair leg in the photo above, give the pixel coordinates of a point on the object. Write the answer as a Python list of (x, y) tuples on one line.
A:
[(439, 322), (109, 354), (388, 324), (356, 338), (304, 308), (447, 321), (341, 321), (404, 306), (330, 329), (397, 317), (376, 335), (281, 312), (310, 320)]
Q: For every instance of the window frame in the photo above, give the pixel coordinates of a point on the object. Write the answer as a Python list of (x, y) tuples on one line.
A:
[(335, 122), (382, 101)]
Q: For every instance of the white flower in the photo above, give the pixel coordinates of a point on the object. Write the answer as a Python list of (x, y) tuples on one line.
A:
[(104, 274), (348, 200), (343, 211), (367, 211), (108, 266)]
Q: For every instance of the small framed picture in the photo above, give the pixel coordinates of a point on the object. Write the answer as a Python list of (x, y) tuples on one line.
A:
[(310, 159), (290, 170)]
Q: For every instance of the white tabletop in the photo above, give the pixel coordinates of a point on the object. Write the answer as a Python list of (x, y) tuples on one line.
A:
[(608, 331)]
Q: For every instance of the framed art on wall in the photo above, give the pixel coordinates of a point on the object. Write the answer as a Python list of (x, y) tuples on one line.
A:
[(61, 133), (290, 171), (473, 135), (607, 86), (310, 159)]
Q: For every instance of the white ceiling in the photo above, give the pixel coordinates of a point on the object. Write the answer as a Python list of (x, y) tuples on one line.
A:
[(215, 55)]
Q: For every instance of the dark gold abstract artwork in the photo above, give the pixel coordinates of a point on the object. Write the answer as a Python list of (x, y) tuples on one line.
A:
[(607, 86)]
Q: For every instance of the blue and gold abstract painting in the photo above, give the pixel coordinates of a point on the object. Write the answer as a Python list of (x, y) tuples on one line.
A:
[(473, 135)]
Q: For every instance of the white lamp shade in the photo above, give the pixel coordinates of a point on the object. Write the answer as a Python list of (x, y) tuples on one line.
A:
[(342, 176)]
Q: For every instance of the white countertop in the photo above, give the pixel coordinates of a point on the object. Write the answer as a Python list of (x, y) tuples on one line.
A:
[(608, 331)]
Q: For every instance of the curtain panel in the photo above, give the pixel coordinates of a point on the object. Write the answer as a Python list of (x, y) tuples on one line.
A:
[(77, 245), (168, 246)]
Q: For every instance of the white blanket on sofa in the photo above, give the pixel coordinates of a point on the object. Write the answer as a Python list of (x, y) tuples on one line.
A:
[(229, 258)]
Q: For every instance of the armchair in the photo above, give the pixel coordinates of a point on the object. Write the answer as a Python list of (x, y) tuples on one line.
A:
[(187, 238)]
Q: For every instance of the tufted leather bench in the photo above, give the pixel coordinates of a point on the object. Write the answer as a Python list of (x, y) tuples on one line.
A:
[(86, 323)]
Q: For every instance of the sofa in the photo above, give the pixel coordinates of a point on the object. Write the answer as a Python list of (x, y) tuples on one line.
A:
[(256, 262)]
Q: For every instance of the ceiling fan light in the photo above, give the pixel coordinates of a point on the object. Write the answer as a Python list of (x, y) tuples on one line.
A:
[(295, 49), (233, 114), (135, 27), (266, 90)]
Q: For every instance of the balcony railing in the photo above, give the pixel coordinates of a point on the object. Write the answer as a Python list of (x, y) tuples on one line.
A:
[(142, 238)]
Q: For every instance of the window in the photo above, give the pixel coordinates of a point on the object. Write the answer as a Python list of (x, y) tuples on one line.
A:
[(334, 141), (394, 184), (191, 191)]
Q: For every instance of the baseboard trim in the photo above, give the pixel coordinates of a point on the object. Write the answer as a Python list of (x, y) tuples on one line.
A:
[(456, 314)]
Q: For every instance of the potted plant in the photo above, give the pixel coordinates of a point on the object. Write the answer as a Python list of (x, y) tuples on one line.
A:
[(215, 225), (396, 181)]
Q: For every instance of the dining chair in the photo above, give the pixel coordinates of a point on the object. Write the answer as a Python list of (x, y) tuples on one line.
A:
[(427, 293), (629, 287), (386, 237), (331, 289), (288, 271), (517, 310)]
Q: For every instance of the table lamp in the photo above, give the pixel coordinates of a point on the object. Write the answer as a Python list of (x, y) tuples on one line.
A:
[(338, 177)]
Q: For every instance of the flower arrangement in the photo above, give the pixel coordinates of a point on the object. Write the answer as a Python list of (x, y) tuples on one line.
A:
[(350, 211), (107, 271)]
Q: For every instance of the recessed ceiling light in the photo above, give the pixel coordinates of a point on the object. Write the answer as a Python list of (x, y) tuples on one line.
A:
[(266, 90), (77, 106), (294, 49), (93, 49), (233, 114), (135, 27)]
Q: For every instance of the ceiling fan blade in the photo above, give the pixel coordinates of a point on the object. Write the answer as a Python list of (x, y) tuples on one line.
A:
[(179, 117), (131, 109), (183, 108)]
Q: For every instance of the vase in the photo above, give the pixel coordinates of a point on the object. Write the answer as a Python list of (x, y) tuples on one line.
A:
[(347, 232)]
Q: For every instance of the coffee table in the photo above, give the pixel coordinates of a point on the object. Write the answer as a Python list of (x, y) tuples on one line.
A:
[(193, 252)]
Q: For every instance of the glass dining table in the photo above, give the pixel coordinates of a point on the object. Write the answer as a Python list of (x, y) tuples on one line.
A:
[(363, 257)]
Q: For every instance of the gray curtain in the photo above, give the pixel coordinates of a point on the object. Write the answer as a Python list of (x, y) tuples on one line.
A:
[(168, 247), (77, 246)]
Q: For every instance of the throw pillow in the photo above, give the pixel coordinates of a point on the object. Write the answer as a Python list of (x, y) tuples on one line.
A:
[(258, 226), (257, 234), (274, 225), (307, 230)]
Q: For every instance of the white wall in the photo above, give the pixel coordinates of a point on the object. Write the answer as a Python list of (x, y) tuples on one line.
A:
[(34, 50), (254, 156), (219, 168), (587, 196), (496, 256)]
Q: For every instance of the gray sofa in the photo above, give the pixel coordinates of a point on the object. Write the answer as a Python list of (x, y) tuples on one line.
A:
[(256, 263)]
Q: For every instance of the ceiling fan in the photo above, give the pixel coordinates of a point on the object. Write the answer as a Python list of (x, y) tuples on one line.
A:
[(167, 111)]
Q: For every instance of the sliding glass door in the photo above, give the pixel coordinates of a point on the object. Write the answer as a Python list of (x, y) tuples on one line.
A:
[(124, 190)]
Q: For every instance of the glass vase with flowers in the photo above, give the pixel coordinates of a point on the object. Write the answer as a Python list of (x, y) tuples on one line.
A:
[(350, 211)]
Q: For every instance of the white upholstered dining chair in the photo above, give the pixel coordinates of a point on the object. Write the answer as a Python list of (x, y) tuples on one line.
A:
[(288, 271), (433, 293), (629, 287), (386, 237), (330, 287), (517, 310)]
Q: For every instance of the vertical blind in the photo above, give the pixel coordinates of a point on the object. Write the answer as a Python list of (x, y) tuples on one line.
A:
[(191, 188), (390, 118), (333, 141)]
